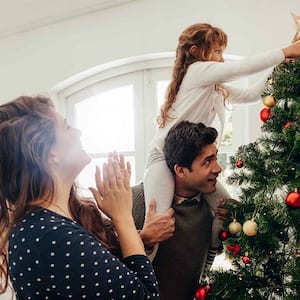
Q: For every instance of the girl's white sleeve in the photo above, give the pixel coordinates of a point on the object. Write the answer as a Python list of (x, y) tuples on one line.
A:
[(207, 73), (246, 95)]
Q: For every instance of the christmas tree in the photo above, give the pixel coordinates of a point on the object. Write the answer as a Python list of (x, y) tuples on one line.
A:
[(262, 235)]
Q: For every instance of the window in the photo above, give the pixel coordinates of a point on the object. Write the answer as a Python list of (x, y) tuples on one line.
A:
[(116, 107)]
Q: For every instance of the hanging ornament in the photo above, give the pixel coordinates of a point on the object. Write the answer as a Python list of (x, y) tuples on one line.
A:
[(265, 114), (287, 125), (239, 163), (234, 227), (223, 235), (269, 101), (233, 249), (246, 259), (292, 199), (250, 228), (201, 293)]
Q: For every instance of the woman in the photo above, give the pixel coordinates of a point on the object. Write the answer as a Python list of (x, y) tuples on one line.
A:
[(54, 245)]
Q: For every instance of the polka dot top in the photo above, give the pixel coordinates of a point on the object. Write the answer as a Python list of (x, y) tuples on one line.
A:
[(53, 257)]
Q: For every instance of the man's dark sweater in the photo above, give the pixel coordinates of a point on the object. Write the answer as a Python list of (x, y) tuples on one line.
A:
[(180, 260)]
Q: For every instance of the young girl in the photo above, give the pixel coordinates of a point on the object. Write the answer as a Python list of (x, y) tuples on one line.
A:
[(197, 93), (53, 244)]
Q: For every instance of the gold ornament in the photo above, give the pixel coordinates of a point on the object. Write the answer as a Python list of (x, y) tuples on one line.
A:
[(234, 227), (297, 34), (250, 227), (269, 101)]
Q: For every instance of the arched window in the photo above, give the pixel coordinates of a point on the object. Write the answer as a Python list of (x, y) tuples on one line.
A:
[(115, 106)]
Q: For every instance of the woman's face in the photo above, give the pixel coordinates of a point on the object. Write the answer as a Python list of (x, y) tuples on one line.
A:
[(68, 156)]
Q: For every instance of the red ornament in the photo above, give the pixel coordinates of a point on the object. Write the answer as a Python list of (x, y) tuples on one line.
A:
[(293, 199), (246, 259), (201, 293), (234, 249), (223, 235), (265, 114), (287, 125), (239, 163)]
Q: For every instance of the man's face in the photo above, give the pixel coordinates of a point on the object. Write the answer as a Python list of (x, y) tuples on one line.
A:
[(205, 170)]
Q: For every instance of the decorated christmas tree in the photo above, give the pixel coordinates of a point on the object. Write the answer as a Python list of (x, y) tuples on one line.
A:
[(262, 235)]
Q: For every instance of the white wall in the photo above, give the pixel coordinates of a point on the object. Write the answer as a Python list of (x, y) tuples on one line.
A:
[(36, 61)]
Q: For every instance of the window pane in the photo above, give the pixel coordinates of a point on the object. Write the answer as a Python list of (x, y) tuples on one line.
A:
[(227, 131), (161, 88), (86, 178), (107, 121)]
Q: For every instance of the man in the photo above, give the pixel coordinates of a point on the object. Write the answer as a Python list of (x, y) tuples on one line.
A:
[(191, 155)]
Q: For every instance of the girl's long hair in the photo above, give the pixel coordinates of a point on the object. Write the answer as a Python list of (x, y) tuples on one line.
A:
[(27, 134), (202, 35)]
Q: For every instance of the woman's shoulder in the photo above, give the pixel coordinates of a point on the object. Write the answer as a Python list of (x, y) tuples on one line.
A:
[(40, 223)]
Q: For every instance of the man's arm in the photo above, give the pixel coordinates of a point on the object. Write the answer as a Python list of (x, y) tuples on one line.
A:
[(157, 227)]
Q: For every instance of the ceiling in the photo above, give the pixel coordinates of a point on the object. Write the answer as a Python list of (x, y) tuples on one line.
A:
[(21, 15)]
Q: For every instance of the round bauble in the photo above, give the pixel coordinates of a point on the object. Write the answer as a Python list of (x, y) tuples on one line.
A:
[(269, 101), (201, 293), (223, 235), (292, 199), (265, 114), (250, 228), (234, 227), (239, 163), (246, 259)]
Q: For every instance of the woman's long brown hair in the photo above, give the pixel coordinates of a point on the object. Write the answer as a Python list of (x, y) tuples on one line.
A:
[(202, 35), (27, 134)]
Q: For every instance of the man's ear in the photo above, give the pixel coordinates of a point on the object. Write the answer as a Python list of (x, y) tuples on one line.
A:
[(180, 171), (195, 51)]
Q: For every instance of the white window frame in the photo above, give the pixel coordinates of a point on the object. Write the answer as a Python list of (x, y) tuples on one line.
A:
[(153, 67)]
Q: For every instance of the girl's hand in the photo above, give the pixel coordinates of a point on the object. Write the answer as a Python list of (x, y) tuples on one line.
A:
[(113, 194), (292, 50)]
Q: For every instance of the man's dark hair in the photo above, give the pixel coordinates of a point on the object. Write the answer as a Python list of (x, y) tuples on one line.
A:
[(185, 141)]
